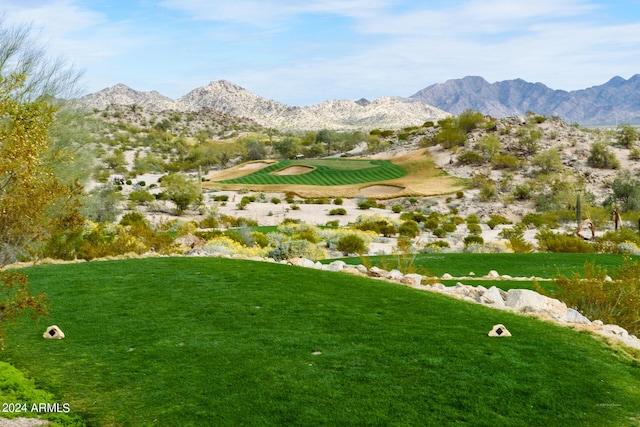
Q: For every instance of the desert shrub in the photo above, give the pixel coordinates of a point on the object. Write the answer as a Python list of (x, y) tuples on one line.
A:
[(351, 244), (221, 198), (396, 208), (538, 220), (515, 236), (522, 192), (460, 194), (296, 249), (295, 207), (506, 161), (473, 239), (601, 157), (626, 192), (409, 229), (449, 227), (548, 161), (367, 204), (338, 211), (141, 197), (414, 216), (334, 223), (488, 192), (474, 228), (473, 219), (439, 232), (468, 157), (337, 201), (548, 241), (209, 222), (623, 241), (596, 297), (495, 220), (469, 120), (431, 223), (627, 135), (275, 200), (377, 224)]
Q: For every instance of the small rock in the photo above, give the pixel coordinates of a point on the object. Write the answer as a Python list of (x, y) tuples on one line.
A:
[(500, 331)]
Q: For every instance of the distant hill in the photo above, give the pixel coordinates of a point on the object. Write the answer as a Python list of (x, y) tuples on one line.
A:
[(617, 101), (226, 97)]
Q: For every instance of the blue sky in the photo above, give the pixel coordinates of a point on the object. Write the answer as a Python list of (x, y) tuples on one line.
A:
[(305, 52)]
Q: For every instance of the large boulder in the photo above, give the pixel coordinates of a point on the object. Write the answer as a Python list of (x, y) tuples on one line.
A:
[(492, 297), (525, 300)]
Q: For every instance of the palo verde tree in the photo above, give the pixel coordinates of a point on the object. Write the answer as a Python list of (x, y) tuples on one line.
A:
[(34, 203)]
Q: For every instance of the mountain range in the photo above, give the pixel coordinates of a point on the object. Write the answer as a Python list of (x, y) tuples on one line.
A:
[(617, 101), (224, 96)]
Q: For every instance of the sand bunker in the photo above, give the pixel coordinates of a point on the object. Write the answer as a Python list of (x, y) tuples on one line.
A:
[(255, 165), (294, 170), (381, 189)]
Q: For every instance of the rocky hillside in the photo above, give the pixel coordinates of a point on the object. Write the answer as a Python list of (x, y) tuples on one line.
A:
[(228, 98), (617, 101)]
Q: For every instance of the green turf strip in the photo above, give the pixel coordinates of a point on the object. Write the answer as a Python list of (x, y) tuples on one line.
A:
[(201, 341), (326, 173)]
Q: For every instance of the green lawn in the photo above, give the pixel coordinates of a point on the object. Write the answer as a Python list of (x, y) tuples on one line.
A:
[(204, 341), (327, 172)]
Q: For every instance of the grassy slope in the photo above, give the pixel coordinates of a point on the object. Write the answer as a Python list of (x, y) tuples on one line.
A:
[(179, 341)]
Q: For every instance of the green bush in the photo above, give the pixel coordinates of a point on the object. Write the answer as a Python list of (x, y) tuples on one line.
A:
[(351, 244), (221, 198), (338, 211), (209, 222), (275, 200), (468, 157), (409, 229), (537, 220), (474, 228), (548, 241), (473, 239), (449, 227), (614, 302), (396, 208), (367, 204), (439, 232), (495, 220), (506, 161), (601, 157), (337, 201)]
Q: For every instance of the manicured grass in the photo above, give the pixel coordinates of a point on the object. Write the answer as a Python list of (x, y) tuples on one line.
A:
[(544, 265), (327, 172), (201, 341)]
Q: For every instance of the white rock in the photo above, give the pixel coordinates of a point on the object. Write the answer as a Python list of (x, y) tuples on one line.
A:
[(492, 297), (446, 276), (412, 279), (395, 274), (530, 301), (615, 330), (378, 272), (492, 275), (574, 316), (362, 268)]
